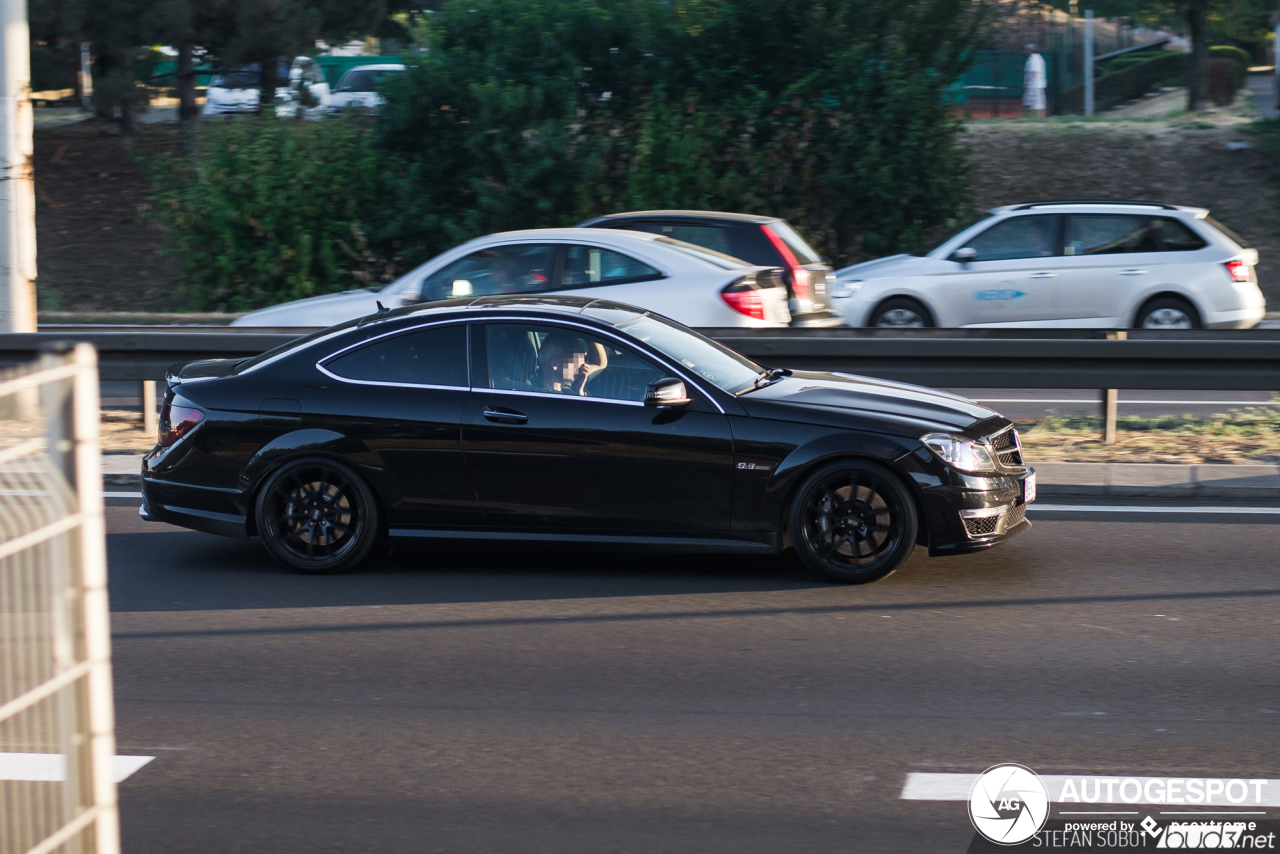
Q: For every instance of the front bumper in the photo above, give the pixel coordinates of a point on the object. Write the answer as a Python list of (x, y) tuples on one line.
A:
[(971, 513)]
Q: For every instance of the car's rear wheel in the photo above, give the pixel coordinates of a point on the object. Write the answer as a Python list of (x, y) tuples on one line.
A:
[(853, 521), (901, 313), (317, 516), (1168, 313)]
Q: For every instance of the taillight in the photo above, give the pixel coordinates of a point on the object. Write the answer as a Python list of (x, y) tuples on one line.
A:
[(743, 296), (799, 275), (1240, 271), (176, 422)]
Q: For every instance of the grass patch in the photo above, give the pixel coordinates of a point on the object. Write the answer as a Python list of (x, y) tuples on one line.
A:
[(1247, 435)]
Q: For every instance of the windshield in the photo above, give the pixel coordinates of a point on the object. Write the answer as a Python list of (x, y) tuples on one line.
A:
[(248, 77), (965, 223), (719, 259), (802, 250), (362, 80), (712, 362)]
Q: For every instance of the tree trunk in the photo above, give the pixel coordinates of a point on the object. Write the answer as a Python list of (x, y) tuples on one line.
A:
[(128, 109), (267, 101), (186, 84), (1198, 70)]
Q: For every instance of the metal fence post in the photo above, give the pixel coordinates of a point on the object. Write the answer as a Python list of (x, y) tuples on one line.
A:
[(1111, 399), (1088, 62), (150, 419)]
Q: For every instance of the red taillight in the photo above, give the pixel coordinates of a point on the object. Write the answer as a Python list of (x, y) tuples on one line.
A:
[(176, 422), (1240, 271), (745, 302), (799, 275)]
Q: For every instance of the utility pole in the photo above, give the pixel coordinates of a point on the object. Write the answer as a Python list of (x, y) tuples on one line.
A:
[(86, 78), (1088, 62), (17, 177)]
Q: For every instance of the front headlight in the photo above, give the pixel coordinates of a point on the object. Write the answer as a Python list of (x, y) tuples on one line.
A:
[(844, 290), (959, 452)]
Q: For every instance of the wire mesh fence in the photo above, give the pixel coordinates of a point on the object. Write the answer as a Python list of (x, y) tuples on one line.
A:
[(57, 793)]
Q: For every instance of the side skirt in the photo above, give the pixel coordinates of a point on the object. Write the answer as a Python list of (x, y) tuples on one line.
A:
[(761, 544)]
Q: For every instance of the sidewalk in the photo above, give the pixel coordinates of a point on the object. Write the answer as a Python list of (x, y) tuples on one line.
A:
[(1053, 480), (1137, 480)]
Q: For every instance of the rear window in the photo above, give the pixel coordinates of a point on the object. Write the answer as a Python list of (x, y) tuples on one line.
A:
[(802, 250), (719, 259), (1240, 241)]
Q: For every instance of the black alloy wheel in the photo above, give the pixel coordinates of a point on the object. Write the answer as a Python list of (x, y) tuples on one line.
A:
[(853, 522), (317, 516)]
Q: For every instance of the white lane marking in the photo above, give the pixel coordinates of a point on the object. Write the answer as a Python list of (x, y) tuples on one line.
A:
[(52, 767), (1122, 508), (1109, 789), (122, 495), (1095, 400)]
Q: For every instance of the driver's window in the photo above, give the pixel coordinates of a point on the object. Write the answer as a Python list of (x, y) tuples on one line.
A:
[(566, 361), (517, 269), (1018, 237)]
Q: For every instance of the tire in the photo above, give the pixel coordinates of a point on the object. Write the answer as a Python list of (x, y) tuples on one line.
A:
[(317, 515), (901, 313), (1167, 313), (853, 522)]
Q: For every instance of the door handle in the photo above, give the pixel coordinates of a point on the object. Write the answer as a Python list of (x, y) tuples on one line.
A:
[(1132, 272), (1043, 276), (505, 416)]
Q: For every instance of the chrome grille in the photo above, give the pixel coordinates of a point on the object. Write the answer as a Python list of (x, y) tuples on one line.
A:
[(1014, 517), (982, 526), (1008, 448)]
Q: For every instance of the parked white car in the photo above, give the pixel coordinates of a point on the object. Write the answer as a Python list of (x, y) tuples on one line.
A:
[(695, 286), (358, 88), (1065, 264), (302, 84)]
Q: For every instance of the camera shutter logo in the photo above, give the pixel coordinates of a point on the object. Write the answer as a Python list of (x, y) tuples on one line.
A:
[(1008, 804)]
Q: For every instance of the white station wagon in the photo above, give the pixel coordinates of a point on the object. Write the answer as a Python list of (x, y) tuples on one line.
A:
[(1065, 264)]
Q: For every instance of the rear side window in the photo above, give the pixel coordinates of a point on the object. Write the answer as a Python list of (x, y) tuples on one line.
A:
[(521, 268), (435, 356), (708, 236), (585, 266), (1110, 234), (1018, 237), (1174, 236)]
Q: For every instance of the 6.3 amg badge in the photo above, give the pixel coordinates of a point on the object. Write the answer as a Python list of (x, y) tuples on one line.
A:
[(1008, 804)]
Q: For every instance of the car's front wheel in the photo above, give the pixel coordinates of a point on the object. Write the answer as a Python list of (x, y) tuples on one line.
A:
[(317, 515), (853, 521), (900, 313)]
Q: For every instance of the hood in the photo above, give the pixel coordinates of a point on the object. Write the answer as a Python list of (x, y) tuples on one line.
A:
[(892, 265), (324, 310), (910, 406)]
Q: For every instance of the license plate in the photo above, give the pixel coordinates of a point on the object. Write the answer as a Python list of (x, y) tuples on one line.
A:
[(1029, 488)]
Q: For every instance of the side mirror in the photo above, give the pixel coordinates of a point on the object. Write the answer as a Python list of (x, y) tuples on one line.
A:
[(411, 298), (965, 255), (665, 392)]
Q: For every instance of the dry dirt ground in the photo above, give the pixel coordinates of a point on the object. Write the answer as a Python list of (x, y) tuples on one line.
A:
[(1184, 161), (94, 252)]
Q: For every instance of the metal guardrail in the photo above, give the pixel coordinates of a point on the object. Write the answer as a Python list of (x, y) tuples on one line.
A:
[(963, 358)]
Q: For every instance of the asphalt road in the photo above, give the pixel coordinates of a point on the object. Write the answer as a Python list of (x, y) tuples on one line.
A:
[(551, 700)]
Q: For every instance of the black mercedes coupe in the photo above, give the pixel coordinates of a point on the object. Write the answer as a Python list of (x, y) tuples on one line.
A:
[(573, 420)]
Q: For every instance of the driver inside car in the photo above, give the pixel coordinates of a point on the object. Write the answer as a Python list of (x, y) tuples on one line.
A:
[(568, 363)]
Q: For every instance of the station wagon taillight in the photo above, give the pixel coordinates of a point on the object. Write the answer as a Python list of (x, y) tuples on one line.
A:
[(176, 422), (799, 275), (1240, 271)]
